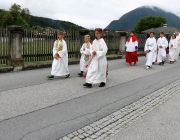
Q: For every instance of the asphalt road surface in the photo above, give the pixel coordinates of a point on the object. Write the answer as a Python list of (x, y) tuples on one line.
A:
[(33, 108)]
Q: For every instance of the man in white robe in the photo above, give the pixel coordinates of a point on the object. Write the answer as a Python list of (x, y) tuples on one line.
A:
[(60, 55), (97, 69), (172, 49), (150, 48), (162, 45), (178, 45)]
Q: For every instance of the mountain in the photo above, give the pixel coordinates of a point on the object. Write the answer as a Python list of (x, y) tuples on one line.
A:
[(37, 22), (130, 19), (55, 24)]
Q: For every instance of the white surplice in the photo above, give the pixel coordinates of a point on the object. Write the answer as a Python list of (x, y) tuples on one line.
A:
[(172, 49), (152, 46), (177, 48), (60, 66), (162, 41), (97, 69), (85, 56)]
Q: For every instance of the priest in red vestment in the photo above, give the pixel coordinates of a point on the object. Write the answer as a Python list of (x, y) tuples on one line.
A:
[(131, 49)]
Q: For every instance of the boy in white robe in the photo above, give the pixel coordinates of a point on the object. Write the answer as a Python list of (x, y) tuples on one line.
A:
[(172, 49), (150, 47), (162, 45), (97, 69), (85, 55), (60, 61)]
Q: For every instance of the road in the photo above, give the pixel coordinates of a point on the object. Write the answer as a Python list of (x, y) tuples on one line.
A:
[(32, 107)]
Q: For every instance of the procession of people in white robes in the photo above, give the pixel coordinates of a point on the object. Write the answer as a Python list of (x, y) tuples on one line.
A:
[(93, 61)]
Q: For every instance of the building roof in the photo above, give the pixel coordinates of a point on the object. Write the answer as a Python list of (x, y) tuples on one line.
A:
[(166, 30)]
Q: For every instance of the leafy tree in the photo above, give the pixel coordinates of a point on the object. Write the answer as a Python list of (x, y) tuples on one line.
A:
[(15, 16), (149, 22)]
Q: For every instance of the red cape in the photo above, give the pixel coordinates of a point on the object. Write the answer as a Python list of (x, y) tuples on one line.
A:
[(134, 38)]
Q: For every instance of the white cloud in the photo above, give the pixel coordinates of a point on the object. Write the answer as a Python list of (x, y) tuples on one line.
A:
[(88, 13)]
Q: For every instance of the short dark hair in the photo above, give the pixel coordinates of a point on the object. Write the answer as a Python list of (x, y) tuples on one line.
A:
[(151, 32), (132, 32), (99, 30), (162, 33)]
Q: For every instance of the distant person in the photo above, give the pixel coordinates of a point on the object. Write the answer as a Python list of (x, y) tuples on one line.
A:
[(162, 45), (150, 48), (172, 49), (131, 48), (97, 68), (60, 55), (178, 44), (85, 55)]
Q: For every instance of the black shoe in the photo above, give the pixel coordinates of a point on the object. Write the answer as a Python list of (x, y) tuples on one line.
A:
[(51, 77), (68, 75), (153, 63), (102, 84), (87, 85), (162, 62), (80, 74)]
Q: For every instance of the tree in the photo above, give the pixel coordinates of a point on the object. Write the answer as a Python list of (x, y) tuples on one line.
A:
[(149, 22), (15, 16)]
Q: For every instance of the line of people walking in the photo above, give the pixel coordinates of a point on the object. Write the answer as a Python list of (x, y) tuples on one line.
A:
[(156, 50), (93, 62)]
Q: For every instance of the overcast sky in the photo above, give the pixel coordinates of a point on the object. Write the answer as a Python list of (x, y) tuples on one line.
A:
[(88, 13)]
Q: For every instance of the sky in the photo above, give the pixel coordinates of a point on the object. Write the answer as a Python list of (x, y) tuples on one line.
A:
[(88, 13)]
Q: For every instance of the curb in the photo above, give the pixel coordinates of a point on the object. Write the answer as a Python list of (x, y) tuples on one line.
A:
[(47, 64)]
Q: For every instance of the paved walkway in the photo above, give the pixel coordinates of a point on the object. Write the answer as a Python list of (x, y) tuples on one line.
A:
[(127, 124)]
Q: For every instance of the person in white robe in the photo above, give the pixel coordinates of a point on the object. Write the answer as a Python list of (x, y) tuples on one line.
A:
[(60, 61), (172, 48), (85, 55), (178, 45), (150, 47), (162, 44), (154, 56), (97, 69)]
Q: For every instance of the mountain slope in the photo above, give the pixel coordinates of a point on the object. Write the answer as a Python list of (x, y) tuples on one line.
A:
[(129, 20)]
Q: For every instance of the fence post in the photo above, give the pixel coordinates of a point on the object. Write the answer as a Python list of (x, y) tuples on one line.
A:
[(122, 43), (15, 58)]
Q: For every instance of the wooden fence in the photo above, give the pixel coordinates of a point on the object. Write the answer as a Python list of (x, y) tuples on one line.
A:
[(38, 45)]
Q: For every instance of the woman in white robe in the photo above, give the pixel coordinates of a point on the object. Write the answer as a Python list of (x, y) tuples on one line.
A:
[(97, 69), (85, 55), (162, 45), (60, 55), (172, 48), (150, 48)]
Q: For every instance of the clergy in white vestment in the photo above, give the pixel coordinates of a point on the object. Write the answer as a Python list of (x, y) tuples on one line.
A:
[(150, 47), (178, 45), (60, 55), (162, 45), (97, 68), (85, 55), (172, 48)]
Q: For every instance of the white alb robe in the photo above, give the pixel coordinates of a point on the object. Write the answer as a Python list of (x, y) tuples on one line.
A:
[(60, 66), (172, 49), (85, 56), (97, 69), (177, 48), (152, 46), (162, 41)]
